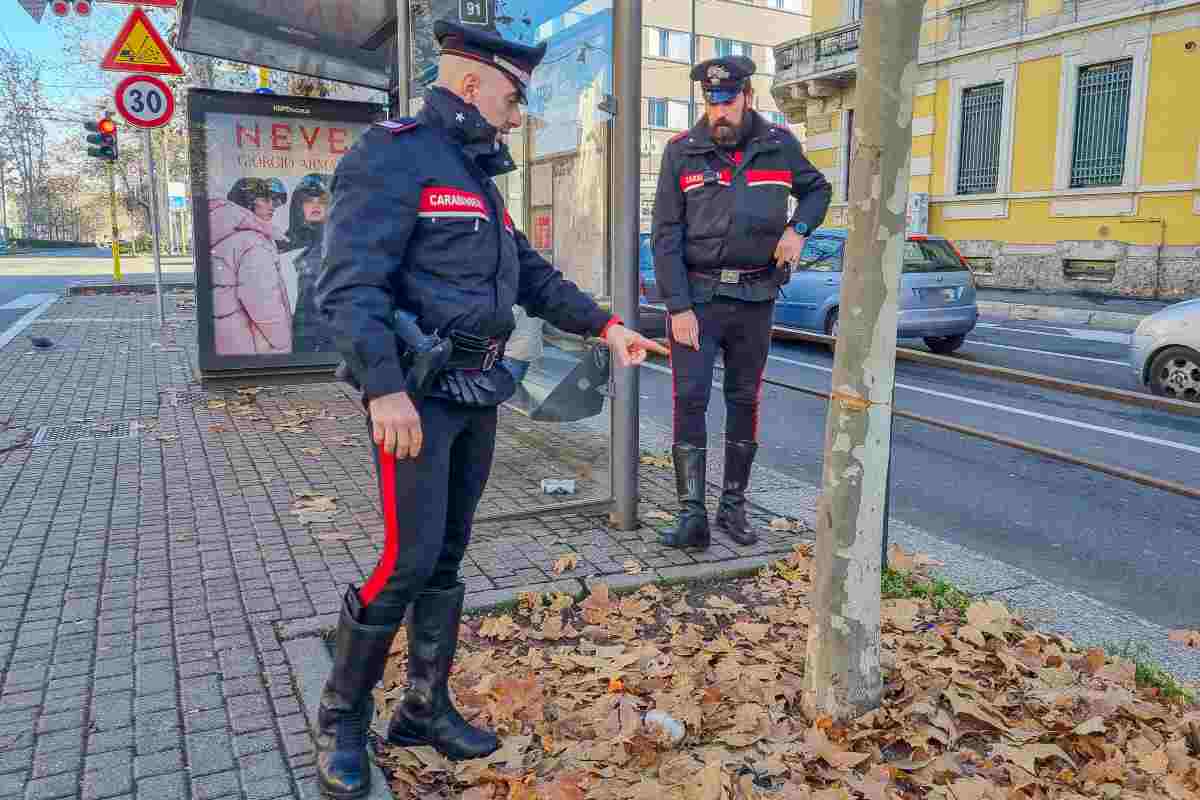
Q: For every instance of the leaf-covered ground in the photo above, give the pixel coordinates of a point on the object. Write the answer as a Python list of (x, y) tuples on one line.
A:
[(977, 705)]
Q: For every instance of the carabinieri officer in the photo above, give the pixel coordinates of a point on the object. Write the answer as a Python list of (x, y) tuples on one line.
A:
[(419, 249), (723, 245)]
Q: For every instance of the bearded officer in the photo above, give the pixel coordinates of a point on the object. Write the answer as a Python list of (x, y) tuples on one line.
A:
[(723, 245), (419, 246)]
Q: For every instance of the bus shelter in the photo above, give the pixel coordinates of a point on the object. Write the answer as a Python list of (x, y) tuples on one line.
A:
[(575, 192)]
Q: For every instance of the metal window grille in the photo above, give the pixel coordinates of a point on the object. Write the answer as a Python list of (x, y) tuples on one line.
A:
[(724, 47), (979, 142), (664, 43), (1101, 124)]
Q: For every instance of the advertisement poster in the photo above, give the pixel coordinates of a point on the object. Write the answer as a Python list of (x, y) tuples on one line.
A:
[(262, 166), (570, 83), (543, 233)]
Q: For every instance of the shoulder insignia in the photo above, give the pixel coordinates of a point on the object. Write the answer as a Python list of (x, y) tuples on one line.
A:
[(398, 125), (677, 137)]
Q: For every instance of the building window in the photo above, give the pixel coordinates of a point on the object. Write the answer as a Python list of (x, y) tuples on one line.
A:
[(729, 47), (854, 10), (658, 113), (1101, 124), (979, 142), (769, 61), (670, 44), (668, 114), (678, 117), (785, 5)]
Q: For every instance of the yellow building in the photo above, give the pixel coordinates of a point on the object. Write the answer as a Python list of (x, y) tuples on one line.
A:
[(1054, 140)]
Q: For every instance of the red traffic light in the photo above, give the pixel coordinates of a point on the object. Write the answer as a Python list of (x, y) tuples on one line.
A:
[(107, 126), (61, 8), (83, 7)]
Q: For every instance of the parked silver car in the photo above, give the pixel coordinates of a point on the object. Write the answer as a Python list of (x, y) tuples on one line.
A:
[(1165, 351)]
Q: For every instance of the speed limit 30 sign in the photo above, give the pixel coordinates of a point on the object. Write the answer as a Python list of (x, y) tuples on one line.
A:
[(145, 101)]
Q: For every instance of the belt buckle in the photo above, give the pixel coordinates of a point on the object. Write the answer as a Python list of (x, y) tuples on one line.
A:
[(491, 355), (730, 276)]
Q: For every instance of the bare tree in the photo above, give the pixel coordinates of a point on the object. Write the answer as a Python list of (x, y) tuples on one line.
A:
[(22, 105), (842, 672)]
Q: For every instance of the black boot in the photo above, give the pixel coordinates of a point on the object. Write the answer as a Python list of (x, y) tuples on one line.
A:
[(692, 530), (731, 513), (425, 716), (343, 767)]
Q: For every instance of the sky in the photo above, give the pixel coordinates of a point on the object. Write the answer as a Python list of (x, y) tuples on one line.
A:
[(72, 89)]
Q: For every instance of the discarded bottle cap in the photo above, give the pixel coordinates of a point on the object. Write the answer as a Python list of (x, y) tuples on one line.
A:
[(675, 729)]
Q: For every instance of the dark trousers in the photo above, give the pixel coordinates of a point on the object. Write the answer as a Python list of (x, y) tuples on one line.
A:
[(742, 330), (428, 506)]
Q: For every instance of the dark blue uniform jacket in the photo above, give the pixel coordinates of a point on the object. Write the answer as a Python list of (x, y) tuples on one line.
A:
[(417, 223), (716, 209)]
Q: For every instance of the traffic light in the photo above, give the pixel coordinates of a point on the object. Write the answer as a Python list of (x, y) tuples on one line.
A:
[(105, 136)]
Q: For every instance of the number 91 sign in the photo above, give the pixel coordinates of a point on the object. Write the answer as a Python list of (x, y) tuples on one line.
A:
[(145, 101)]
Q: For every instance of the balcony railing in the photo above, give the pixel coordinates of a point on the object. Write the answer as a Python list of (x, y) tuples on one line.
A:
[(818, 53)]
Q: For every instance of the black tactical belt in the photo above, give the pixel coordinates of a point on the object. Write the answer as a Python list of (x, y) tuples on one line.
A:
[(734, 275), (475, 352)]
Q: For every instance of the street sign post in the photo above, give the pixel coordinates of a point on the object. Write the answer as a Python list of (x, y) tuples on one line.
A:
[(145, 101), (140, 48)]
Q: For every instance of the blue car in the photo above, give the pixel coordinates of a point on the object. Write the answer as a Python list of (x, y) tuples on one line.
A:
[(937, 291)]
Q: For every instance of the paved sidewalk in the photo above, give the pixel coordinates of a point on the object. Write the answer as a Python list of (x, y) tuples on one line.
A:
[(1077, 308), (153, 563)]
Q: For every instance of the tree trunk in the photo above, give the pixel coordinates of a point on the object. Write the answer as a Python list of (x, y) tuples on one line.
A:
[(842, 675)]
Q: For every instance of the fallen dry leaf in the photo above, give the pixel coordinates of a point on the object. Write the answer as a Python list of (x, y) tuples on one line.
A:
[(216, 404), (502, 628), (1155, 763), (900, 614), (632, 567), (310, 507), (662, 462), (1027, 756), (1190, 638), (565, 563), (1091, 726), (659, 515), (311, 451), (785, 524)]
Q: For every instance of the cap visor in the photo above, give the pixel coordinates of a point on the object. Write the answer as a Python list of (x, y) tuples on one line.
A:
[(721, 96)]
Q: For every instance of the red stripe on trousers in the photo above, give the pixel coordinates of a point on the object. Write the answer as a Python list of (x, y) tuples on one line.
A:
[(757, 404), (674, 389), (391, 525)]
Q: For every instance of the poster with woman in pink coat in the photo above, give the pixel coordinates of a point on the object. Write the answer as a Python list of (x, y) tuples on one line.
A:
[(254, 163)]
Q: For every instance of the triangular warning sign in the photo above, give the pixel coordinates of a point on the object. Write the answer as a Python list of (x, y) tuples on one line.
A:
[(139, 48)]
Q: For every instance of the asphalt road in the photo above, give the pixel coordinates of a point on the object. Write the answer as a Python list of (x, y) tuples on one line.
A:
[(1132, 547), (1135, 548)]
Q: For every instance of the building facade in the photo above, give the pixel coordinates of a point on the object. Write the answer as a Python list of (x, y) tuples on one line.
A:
[(1053, 140)]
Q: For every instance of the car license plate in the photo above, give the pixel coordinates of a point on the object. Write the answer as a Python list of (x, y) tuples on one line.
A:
[(730, 276), (942, 295)]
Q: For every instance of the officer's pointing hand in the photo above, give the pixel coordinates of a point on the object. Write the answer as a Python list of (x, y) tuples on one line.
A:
[(630, 348), (396, 425)]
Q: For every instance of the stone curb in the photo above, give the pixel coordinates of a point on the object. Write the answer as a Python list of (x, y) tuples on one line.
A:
[(1108, 320)]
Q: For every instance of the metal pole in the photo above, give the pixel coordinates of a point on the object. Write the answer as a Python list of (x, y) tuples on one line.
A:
[(154, 227), (626, 182), (692, 116), (167, 191), (3, 195), (116, 234), (403, 59)]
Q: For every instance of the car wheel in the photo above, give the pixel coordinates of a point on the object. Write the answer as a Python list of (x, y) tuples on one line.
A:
[(945, 345), (1175, 373), (831, 326)]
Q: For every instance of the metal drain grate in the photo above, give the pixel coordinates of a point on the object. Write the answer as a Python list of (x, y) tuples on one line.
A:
[(84, 432)]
